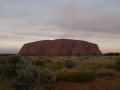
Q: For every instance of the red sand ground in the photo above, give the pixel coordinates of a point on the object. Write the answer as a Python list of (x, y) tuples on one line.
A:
[(98, 84)]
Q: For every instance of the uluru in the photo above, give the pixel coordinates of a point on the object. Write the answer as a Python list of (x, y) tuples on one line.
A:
[(59, 47)]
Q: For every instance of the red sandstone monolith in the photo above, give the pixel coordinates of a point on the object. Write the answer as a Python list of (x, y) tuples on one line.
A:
[(60, 47)]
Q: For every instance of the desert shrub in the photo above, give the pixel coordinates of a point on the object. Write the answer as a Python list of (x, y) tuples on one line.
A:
[(1, 69), (39, 62), (2, 62), (85, 57), (109, 65), (41, 57), (26, 77), (45, 77), (23, 64), (8, 66), (47, 60), (54, 66), (59, 62), (24, 73), (69, 64), (32, 75), (14, 59), (117, 62), (78, 76), (104, 73), (10, 70), (59, 65), (24, 80)]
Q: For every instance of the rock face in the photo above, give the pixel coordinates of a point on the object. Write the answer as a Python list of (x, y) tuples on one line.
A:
[(59, 47)]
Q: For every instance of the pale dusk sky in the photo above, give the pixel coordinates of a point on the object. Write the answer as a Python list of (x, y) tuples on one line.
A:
[(23, 21)]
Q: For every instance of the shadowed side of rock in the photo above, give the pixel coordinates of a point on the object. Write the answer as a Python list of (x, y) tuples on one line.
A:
[(59, 47)]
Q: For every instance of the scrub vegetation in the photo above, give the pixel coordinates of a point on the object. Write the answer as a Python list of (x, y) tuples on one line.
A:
[(46, 72)]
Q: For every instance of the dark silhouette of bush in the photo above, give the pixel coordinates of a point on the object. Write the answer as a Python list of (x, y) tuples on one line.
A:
[(112, 54)]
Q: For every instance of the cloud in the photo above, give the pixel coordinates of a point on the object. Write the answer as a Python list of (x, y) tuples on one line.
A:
[(91, 18), (28, 20)]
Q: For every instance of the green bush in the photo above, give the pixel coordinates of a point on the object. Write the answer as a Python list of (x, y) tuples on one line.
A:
[(8, 66), (45, 77), (117, 62), (10, 70), (32, 75), (25, 73), (69, 64), (23, 64), (26, 77), (24, 80), (78, 76)]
